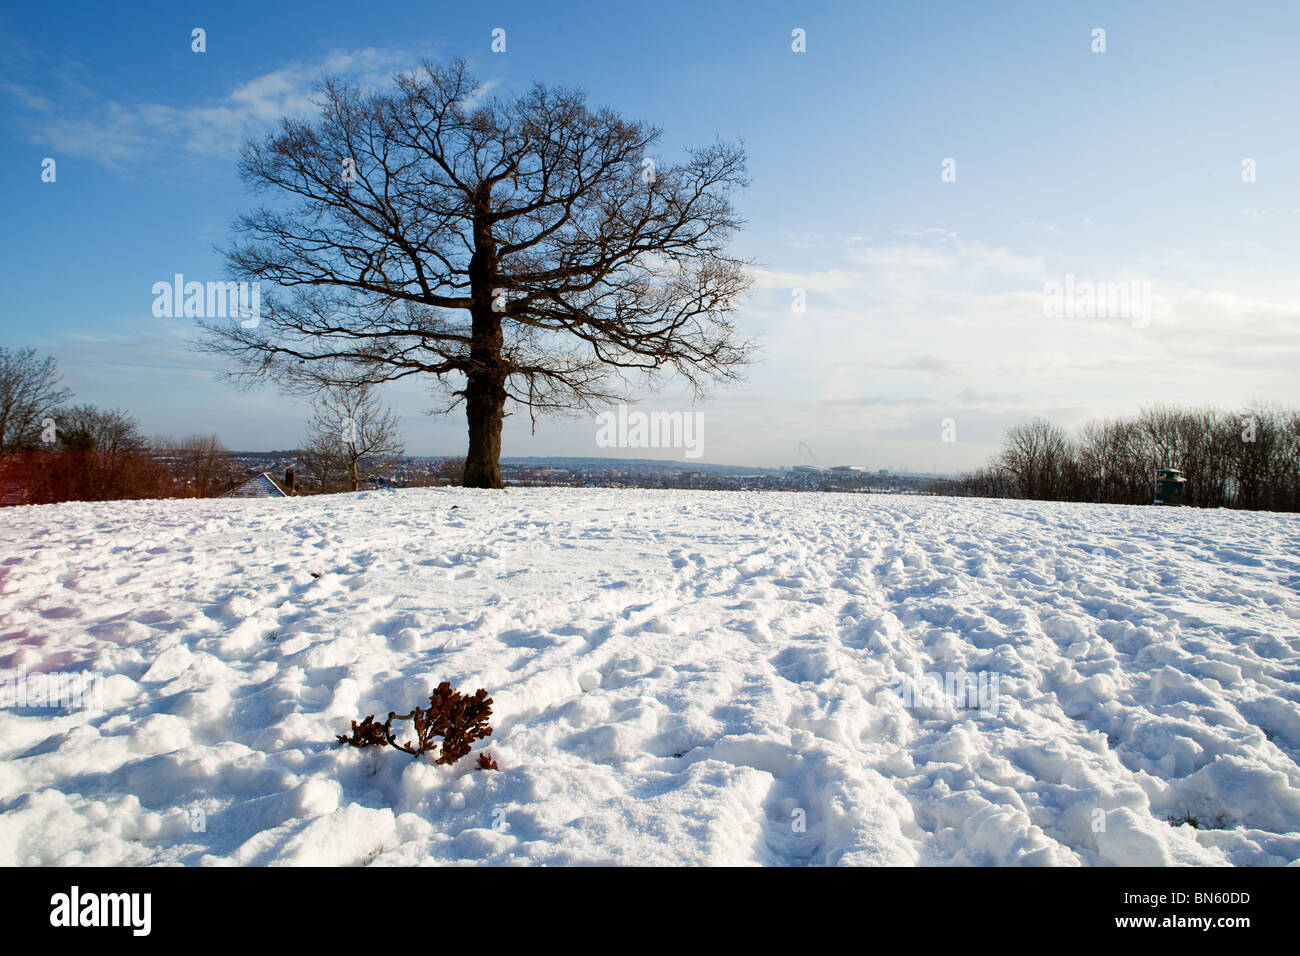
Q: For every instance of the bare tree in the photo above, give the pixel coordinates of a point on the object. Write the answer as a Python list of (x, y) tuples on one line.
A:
[(528, 249), (1035, 454), (29, 394), (1098, 466), (201, 464), (1199, 459), (107, 431), (351, 433), (322, 463), (100, 456), (1286, 486), (1113, 463), (1255, 454)]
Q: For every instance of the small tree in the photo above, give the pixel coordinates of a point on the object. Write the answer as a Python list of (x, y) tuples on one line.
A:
[(100, 457), (29, 394), (107, 431), (1035, 455), (352, 434), (201, 464), (322, 463)]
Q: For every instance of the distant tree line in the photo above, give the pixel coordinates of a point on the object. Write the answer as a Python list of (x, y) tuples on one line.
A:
[(51, 451), (1231, 459)]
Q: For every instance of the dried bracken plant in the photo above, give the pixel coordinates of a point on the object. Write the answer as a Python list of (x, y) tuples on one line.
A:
[(485, 761), (368, 733), (457, 719)]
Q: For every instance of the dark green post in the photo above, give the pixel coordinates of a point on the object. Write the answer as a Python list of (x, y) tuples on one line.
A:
[(1170, 485)]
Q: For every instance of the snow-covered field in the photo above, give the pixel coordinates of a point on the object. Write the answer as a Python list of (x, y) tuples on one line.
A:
[(679, 677)]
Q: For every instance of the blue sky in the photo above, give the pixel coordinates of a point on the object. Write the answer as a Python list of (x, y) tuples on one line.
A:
[(924, 298)]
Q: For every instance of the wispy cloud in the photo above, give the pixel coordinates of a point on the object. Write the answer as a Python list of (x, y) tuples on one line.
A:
[(831, 280), (77, 121), (900, 335)]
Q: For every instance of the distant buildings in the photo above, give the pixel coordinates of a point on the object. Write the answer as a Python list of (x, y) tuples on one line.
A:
[(412, 472)]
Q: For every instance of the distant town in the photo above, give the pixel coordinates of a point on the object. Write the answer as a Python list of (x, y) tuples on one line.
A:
[(419, 471)]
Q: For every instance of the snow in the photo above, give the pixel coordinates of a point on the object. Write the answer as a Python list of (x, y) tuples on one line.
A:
[(679, 678)]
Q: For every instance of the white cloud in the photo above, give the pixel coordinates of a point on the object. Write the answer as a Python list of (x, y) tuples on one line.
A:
[(908, 332), (831, 280), (116, 132)]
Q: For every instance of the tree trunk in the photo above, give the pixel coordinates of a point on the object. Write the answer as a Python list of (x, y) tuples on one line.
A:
[(485, 404), (485, 386)]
